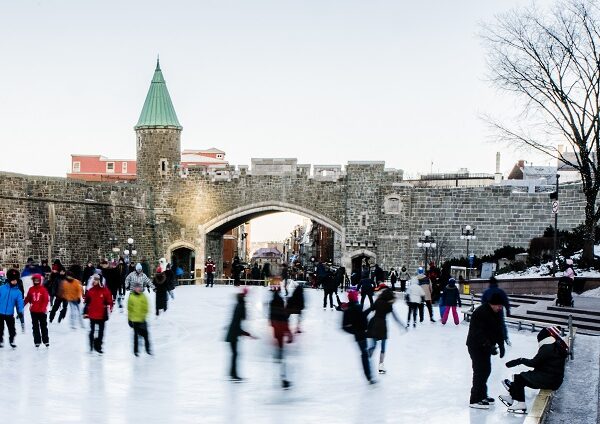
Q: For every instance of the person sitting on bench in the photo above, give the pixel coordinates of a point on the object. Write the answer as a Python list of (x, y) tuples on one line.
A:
[(548, 370)]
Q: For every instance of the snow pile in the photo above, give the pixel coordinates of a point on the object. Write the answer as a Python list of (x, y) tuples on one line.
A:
[(592, 293)]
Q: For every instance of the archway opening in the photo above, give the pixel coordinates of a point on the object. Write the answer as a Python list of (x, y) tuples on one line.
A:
[(183, 261)]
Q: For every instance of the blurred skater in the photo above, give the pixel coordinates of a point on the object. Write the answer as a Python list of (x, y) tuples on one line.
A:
[(235, 331), (403, 277), (72, 292), (414, 297), (98, 303), (137, 311), (366, 286), (295, 304), (355, 323), (38, 299), (11, 298), (377, 327), (279, 316), (450, 298)]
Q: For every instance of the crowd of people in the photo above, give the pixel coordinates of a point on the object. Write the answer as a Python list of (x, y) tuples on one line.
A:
[(59, 289)]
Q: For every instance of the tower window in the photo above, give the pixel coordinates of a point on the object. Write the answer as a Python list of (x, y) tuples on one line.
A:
[(164, 166)]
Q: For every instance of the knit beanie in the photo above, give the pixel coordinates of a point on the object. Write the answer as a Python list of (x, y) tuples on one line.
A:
[(495, 299), (353, 296)]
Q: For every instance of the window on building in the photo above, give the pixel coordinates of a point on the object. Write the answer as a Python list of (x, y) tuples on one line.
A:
[(163, 165), (219, 156), (124, 167), (364, 219), (110, 167), (76, 166), (392, 205)]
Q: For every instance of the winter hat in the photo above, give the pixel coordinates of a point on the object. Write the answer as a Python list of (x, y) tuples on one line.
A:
[(353, 296), (570, 273), (97, 277), (138, 267), (36, 277), (420, 270), (495, 299), (451, 282), (12, 274), (554, 334), (244, 291)]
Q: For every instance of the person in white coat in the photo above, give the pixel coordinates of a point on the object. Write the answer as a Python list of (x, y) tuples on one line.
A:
[(415, 296)]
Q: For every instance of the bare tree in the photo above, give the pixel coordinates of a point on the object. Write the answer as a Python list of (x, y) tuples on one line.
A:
[(551, 61)]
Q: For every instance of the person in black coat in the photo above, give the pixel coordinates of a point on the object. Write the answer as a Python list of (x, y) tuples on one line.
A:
[(355, 322), (236, 271), (548, 370), (295, 304), (493, 288), (485, 332), (161, 286), (329, 288), (235, 331), (279, 318)]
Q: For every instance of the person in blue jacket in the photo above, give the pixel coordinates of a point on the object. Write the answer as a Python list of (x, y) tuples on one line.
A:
[(10, 298)]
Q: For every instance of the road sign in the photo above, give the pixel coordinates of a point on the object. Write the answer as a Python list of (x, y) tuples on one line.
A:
[(555, 206)]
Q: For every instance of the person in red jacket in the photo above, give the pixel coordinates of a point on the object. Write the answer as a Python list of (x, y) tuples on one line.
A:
[(98, 302), (38, 299)]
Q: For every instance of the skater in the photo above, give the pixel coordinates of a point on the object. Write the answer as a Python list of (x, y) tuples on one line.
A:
[(121, 274), (38, 298), (487, 294), (137, 311), (98, 303), (279, 316), (57, 274), (237, 268), (88, 271), (366, 287), (137, 276), (404, 277), (355, 323), (285, 275), (393, 278), (414, 297), (295, 304), (10, 298), (329, 288), (72, 292), (450, 298), (485, 332), (209, 270), (161, 286), (377, 327), (548, 370), (426, 286), (235, 331)]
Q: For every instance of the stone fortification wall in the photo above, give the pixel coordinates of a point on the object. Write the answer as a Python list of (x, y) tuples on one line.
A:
[(52, 218)]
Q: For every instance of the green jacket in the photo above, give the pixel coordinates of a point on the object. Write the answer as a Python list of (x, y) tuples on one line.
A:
[(137, 307)]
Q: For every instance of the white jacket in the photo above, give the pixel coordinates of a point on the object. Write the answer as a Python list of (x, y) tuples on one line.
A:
[(414, 292)]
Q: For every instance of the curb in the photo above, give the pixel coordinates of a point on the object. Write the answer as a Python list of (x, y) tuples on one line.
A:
[(540, 407)]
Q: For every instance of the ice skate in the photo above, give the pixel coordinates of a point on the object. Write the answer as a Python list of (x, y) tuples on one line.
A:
[(236, 379), (37, 345), (518, 408), (285, 384), (482, 404), (13, 345), (372, 381), (490, 400), (414, 325), (47, 344), (507, 383), (506, 400), (381, 368)]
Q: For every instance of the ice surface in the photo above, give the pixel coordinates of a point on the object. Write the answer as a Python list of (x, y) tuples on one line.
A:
[(428, 371)]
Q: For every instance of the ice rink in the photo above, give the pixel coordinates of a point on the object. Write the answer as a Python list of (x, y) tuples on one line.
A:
[(428, 371)]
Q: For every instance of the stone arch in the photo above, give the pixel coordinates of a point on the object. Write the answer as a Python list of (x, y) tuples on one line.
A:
[(188, 264), (268, 207)]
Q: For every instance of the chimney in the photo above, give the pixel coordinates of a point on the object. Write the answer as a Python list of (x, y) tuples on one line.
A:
[(498, 174)]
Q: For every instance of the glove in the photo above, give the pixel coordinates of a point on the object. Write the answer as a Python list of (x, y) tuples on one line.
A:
[(514, 363), (493, 350), (502, 350)]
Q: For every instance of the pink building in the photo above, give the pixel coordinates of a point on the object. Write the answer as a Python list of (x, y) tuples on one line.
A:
[(99, 168)]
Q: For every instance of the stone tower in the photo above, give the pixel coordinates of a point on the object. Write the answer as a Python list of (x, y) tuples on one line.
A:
[(158, 134)]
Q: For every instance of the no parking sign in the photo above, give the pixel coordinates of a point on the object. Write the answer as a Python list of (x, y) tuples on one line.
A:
[(555, 206)]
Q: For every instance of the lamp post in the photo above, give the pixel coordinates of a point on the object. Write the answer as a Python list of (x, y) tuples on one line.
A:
[(426, 241), (115, 250), (467, 233), (129, 251)]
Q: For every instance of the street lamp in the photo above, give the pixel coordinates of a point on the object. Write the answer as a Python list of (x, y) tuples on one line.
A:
[(129, 251), (115, 250), (426, 242), (467, 233)]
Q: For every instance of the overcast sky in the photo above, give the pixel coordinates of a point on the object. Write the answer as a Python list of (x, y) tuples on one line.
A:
[(325, 81)]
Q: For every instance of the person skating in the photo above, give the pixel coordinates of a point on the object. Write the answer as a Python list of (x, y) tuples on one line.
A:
[(72, 292), (548, 370), (366, 286), (295, 304), (209, 270), (137, 276), (450, 298), (487, 294), (38, 299), (88, 271), (55, 291), (425, 284), (355, 323), (485, 332), (98, 304), (161, 287), (404, 276), (414, 297), (279, 317), (377, 327), (11, 298), (237, 268), (137, 311), (329, 288), (393, 278), (235, 331)]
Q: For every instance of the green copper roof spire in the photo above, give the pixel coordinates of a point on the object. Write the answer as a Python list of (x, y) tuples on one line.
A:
[(158, 110)]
